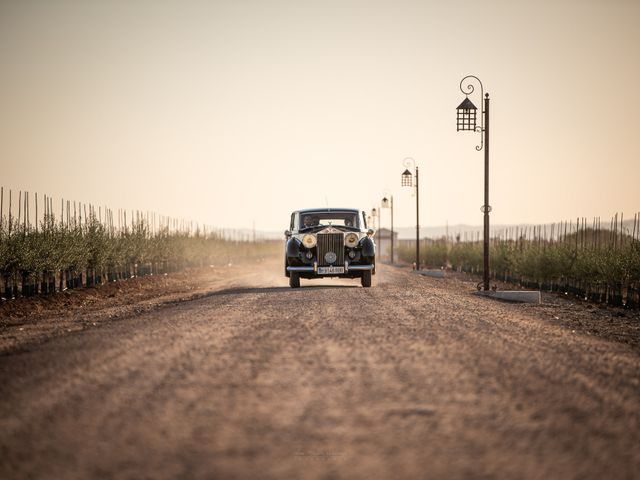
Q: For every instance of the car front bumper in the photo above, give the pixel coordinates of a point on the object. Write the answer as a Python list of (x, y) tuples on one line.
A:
[(314, 268)]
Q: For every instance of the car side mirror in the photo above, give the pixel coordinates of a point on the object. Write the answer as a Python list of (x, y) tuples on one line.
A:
[(371, 232), (287, 234)]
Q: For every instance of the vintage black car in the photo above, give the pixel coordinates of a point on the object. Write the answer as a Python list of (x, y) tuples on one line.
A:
[(329, 242)]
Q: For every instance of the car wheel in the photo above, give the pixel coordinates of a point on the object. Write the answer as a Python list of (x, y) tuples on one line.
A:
[(294, 279), (366, 278)]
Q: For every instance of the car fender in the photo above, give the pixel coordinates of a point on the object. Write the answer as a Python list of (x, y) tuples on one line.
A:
[(293, 247), (368, 247)]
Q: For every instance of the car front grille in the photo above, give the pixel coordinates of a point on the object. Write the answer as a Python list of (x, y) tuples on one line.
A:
[(330, 242)]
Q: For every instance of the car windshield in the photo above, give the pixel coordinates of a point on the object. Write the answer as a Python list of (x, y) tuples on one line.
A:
[(314, 219)]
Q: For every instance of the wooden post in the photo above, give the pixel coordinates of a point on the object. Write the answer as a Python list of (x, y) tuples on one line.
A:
[(621, 230), (10, 219), (19, 207)]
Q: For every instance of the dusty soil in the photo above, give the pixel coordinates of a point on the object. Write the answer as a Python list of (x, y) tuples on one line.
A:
[(234, 375), (612, 323), (28, 320)]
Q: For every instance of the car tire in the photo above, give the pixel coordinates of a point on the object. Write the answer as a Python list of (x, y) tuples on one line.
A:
[(366, 278), (294, 279)]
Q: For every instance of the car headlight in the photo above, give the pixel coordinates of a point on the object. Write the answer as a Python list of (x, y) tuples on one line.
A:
[(351, 240), (309, 240)]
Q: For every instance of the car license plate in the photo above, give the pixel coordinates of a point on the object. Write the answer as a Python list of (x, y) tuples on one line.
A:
[(329, 270)]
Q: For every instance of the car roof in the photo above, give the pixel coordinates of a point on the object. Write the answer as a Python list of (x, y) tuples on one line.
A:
[(328, 210)]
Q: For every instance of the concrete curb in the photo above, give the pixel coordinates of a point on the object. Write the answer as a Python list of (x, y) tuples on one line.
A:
[(431, 273), (520, 296)]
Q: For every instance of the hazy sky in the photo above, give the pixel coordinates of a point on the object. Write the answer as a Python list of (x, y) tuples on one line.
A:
[(232, 112)]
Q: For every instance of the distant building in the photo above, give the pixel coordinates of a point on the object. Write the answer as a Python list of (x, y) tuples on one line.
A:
[(383, 243)]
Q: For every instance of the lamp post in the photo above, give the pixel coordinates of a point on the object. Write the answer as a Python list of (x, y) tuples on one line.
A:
[(466, 120), (388, 203), (375, 222), (408, 181)]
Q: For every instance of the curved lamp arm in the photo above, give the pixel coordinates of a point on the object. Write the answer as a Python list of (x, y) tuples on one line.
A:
[(409, 162)]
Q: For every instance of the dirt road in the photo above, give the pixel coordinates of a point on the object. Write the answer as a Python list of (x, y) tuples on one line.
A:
[(413, 378)]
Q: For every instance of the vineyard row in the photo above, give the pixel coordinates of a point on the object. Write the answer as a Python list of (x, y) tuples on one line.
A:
[(582, 259), (44, 251)]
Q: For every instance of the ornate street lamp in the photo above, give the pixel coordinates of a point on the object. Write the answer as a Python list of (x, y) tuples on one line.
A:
[(411, 180), (388, 203), (466, 120), (375, 217)]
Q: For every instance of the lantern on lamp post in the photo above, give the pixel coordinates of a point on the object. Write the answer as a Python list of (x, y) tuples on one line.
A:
[(467, 120), (409, 179), (388, 203), (467, 115)]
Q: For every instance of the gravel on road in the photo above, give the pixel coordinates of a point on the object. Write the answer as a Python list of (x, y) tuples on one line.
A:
[(412, 378)]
